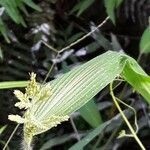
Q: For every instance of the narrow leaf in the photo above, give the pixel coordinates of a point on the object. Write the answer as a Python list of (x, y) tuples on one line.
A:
[(111, 125), (4, 31), (2, 129), (1, 54), (145, 41), (12, 11), (81, 144), (111, 5), (59, 140), (32, 5), (66, 94), (91, 114), (13, 84), (84, 6)]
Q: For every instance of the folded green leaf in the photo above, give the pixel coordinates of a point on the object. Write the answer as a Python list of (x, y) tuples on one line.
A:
[(135, 75)]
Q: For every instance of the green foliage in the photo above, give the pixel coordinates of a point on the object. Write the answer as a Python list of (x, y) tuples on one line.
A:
[(3, 30), (90, 113), (13, 84), (88, 110), (57, 141), (111, 5), (2, 129), (81, 144), (135, 75), (1, 54), (145, 41), (12, 8), (82, 6)]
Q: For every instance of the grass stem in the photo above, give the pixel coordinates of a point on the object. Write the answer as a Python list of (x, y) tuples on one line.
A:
[(125, 118)]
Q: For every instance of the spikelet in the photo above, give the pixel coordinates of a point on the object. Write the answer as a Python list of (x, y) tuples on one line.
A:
[(35, 95)]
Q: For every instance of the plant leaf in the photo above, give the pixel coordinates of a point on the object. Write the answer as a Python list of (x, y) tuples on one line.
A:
[(145, 41), (89, 109), (136, 76), (81, 144), (32, 5), (4, 31), (2, 129), (12, 8), (108, 126), (111, 5), (91, 114), (82, 6), (49, 144), (1, 54), (13, 84), (70, 92), (12, 11)]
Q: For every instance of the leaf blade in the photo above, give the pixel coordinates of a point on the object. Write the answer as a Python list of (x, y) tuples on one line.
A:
[(75, 88), (145, 41), (13, 84), (88, 110), (81, 144), (91, 114)]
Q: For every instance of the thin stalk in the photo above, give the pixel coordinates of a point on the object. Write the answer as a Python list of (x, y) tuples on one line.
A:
[(105, 147), (125, 118), (74, 128), (85, 36), (97, 142), (5, 146), (51, 68)]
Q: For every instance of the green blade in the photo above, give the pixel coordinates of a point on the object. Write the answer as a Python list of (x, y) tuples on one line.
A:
[(111, 5), (88, 110), (74, 89), (145, 41), (91, 114), (81, 144), (13, 84)]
